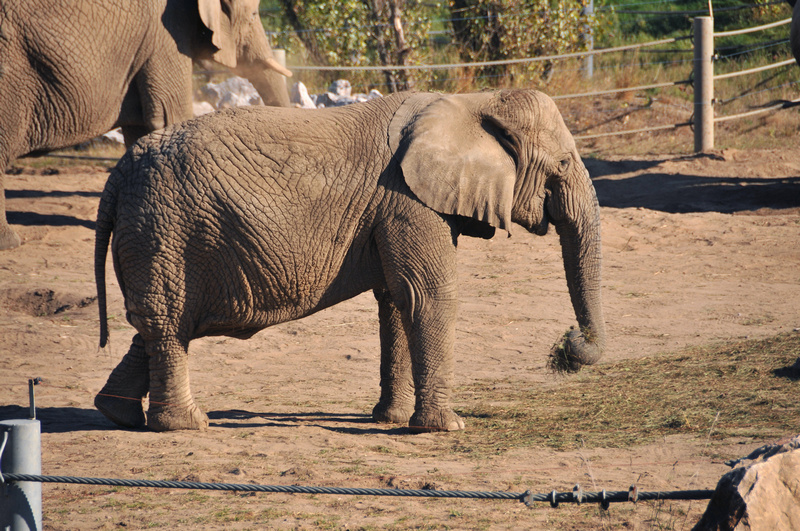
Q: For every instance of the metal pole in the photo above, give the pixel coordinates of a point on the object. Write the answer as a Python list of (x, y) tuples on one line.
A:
[(588, 36), (20, 453), (703, 84)]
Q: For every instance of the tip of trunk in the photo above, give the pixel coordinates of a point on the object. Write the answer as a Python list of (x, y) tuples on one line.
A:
[(574, 350)]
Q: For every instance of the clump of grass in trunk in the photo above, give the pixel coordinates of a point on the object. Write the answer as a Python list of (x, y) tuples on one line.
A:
[(562, 359), (635, 402)]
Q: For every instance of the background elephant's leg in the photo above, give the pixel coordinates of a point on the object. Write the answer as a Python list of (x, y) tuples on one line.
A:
[(171, 404), (8, 238), (121, 398), (397, 385), (132, 133)]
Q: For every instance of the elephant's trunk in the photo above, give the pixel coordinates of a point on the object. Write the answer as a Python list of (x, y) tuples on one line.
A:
[(580, 247)]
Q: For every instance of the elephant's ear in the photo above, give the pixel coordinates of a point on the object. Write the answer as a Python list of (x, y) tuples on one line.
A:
[(221, 31), (452, 158)]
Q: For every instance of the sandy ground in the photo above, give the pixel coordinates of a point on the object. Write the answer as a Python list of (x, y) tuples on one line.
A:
[(696, 250)]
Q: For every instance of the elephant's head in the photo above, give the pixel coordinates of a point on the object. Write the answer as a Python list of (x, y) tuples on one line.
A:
[(503, 157), (242, 45)]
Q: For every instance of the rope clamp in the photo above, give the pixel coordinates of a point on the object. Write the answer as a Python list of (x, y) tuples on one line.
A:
[(553, 499), (527, 498), (633, 494), (604, 501), (577, 494), (5, 430)]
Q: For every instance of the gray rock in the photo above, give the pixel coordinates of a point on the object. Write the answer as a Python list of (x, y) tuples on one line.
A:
[(233, 92), (341, 88), (763, 493)]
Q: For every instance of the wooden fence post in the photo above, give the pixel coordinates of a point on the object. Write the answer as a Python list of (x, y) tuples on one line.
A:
[(703, 84)]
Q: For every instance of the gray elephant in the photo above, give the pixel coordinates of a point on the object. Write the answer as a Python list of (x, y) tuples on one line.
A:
[(235, 221), (73, 69)]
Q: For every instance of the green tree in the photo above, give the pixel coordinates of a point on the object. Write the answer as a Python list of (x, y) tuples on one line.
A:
[(358, 33)]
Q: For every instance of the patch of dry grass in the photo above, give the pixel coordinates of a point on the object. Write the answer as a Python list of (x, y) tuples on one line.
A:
[(744, 389)]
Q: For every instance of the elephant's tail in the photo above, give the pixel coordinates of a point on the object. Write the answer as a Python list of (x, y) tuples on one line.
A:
[(106, 213)]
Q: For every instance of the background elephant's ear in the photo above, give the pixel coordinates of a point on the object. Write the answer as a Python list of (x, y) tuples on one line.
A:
[(453, 161), (221, 31)]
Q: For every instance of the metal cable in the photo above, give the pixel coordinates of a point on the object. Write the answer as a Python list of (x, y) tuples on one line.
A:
[(783, 105), (576, 496), (632, 131), (571, 55), (616, 91), (754, 70), (754, 28)]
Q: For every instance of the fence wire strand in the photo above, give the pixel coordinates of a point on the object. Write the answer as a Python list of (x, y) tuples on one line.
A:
[(754, 70), (575, 496), (754, 28), (446, 66)]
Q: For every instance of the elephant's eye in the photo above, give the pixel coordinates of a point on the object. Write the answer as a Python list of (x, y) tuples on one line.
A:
[(563, 166)]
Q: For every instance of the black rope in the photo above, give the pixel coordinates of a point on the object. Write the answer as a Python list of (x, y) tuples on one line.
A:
[(603, 497)]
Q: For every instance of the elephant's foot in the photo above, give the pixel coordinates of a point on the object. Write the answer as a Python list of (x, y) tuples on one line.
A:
[(437, 420), (125, 412), (392, 413), (8, 238), (171, 418)]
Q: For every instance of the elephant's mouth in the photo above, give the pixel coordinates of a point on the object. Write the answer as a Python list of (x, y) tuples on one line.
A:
[(540, 228)]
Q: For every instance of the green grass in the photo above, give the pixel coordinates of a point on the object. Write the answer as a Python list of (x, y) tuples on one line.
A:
[(732, 390)]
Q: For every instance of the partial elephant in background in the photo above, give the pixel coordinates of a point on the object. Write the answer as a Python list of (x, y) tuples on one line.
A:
[(794, 32), (74, 69), (238, 220)]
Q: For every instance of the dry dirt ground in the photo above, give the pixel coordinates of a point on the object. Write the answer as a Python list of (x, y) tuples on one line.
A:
[(697, 250)]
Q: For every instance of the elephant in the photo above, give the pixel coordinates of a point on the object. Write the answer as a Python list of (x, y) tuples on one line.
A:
[(242, 219), (74, 69)]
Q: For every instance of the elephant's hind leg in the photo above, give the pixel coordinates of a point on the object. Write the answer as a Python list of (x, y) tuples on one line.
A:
[(396, 404), (121, 398), (171, 404)]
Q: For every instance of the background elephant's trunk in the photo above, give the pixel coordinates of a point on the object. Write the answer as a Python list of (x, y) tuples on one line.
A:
[(580, 248), (270, 84)]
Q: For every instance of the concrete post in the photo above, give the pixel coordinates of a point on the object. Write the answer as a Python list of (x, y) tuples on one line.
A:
[(21, 501), (280, 56), (588, 36), (703, 84)]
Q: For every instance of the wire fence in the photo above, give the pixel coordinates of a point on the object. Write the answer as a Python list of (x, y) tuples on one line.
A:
[(554, 498), (636, 48)]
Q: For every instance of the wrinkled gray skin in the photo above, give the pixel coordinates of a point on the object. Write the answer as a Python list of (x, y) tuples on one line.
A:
[(794, 32), (239, 220), (74, 69)]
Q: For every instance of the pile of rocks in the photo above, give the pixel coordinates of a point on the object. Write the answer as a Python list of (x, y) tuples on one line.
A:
[(339, 93), (237, 92)]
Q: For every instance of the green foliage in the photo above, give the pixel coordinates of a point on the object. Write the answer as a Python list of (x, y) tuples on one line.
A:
[(492, 30), (397, 32)]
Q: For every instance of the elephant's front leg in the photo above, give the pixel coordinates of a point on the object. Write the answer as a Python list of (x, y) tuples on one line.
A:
[(397, 385), (431, 336), (171, 404), (418, 255), (121, 398)]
